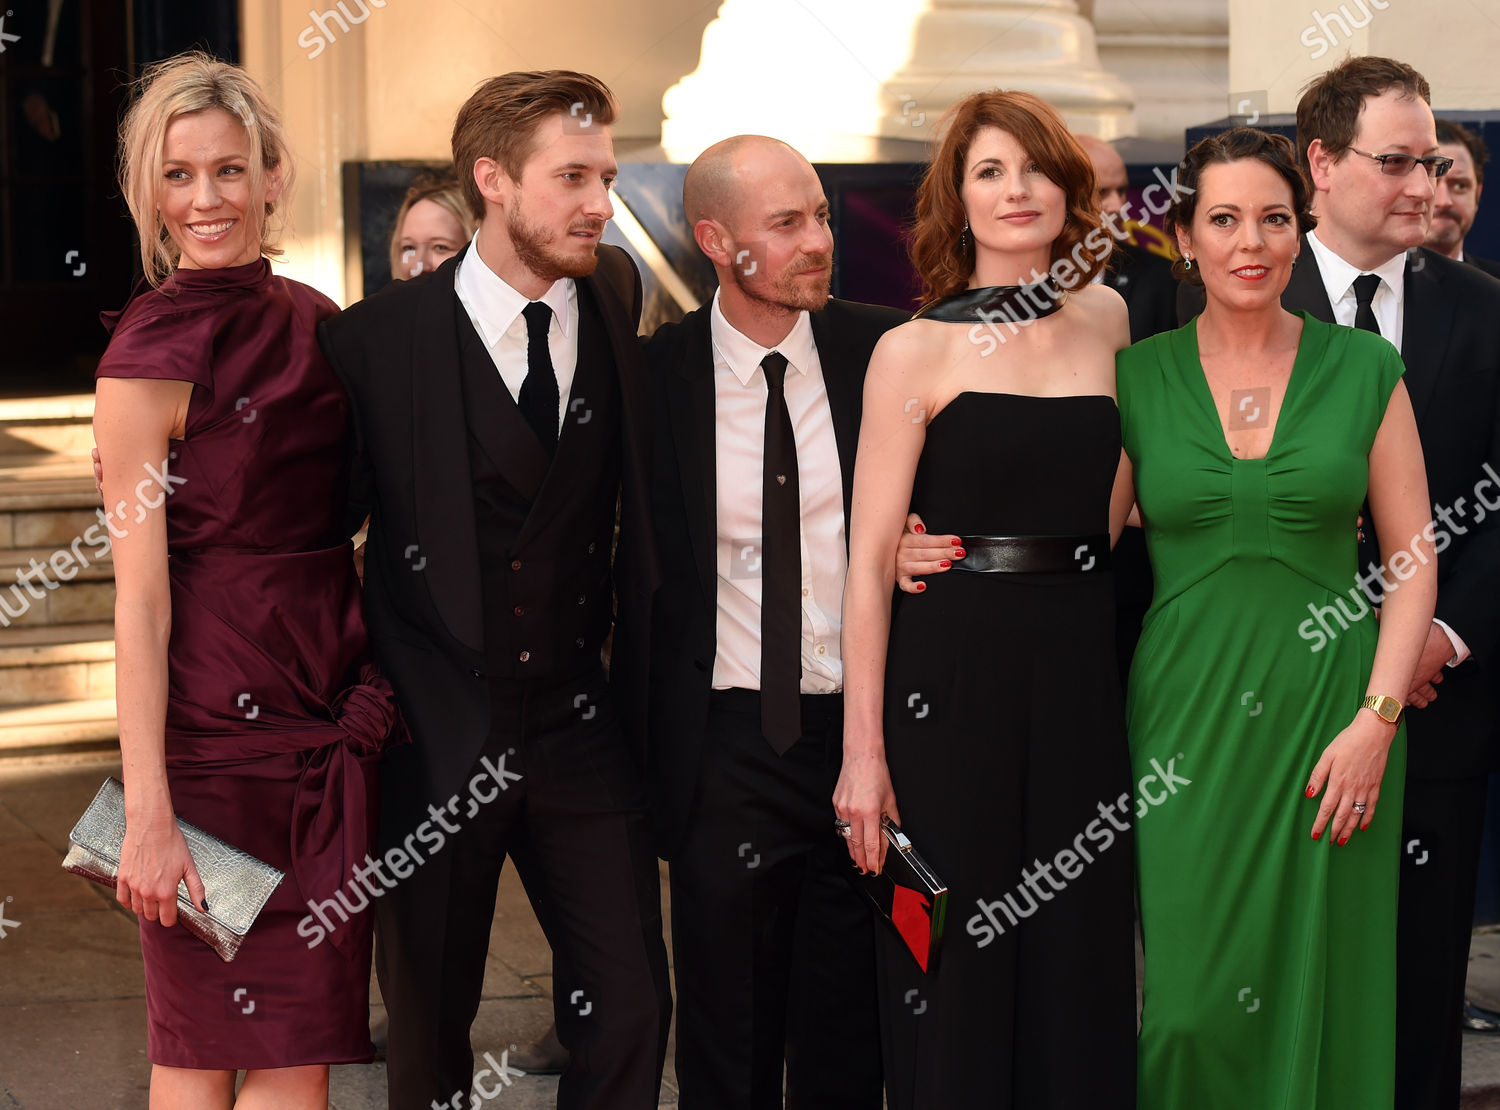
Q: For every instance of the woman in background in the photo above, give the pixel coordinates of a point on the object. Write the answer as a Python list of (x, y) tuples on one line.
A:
[(432, 225), (246, 702)]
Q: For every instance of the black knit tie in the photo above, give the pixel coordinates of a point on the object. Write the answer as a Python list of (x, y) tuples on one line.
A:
[(781, 569), (539, 397), (1364, 293)]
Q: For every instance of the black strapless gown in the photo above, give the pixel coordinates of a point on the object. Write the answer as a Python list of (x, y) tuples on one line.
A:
[(1006, 743)]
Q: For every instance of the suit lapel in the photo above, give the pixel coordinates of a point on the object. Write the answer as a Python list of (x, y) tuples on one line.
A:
[(845, 387), (1305, 291), (1426, 329), (494, 419), (589, 380), (447, 549), (692, 413)]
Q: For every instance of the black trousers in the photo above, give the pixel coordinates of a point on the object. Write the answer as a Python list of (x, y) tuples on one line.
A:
[(774, 948), (574, 825), (1442, 827)]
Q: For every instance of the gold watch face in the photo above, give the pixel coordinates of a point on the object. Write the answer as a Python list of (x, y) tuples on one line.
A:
[(1388, 708)]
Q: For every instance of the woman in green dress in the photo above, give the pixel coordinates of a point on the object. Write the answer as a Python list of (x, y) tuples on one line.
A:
[(1268, 873)]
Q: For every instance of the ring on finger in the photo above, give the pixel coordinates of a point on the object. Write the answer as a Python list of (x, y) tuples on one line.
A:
[(1360, 807)]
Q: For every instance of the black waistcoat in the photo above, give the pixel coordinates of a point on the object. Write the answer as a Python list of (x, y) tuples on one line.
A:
[(544, 555)]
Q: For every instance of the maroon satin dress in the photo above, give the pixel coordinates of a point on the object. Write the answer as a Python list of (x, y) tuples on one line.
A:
[(275, 717)]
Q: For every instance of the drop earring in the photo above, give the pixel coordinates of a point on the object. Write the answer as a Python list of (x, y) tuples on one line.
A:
[(963, 238), (1187, 262)]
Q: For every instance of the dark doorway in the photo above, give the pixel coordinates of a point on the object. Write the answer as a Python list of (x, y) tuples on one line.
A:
[(67, 248)]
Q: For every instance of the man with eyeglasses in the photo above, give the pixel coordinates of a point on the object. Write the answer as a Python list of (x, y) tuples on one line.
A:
[(1366, 134), (1458, 192)]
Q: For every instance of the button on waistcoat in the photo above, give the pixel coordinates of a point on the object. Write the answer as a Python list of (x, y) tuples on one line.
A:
[(544, 560)]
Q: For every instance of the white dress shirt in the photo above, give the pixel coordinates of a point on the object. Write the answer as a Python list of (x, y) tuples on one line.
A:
[(740, 395), (495, 310), (1388, 304), (1338, 279)]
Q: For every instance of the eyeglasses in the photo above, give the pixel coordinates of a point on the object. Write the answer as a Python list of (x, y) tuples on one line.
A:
[(1399, 165)]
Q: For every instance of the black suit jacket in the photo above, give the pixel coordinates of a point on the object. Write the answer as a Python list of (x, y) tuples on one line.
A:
[(684, 499), (398, 355), (1146, 283), (1450, 345), (1487, 265)]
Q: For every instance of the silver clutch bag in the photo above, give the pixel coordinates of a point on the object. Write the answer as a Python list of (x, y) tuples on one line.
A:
[(236, 885)]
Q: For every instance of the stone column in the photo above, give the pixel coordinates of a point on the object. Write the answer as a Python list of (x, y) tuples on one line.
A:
[(1278, 45), (833, 76), (1048, 48), (1174, 54), (315, 71)]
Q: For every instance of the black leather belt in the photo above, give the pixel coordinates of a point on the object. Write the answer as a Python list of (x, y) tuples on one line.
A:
[(1034, 554)]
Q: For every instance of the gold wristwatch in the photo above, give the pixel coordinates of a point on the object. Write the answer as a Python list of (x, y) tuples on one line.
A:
[(1387, 708)]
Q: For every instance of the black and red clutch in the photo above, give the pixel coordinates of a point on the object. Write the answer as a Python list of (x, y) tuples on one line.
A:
[(911, 898)]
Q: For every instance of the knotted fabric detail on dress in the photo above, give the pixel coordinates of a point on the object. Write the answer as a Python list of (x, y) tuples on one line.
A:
[(368, 713), (330, 841), (334, 808)]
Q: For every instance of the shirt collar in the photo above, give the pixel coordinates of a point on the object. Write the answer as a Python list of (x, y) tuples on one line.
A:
[(743, 355), (495, 303), (1338, 275)]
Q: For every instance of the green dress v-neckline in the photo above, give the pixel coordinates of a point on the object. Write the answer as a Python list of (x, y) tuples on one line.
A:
[(1309, 349)]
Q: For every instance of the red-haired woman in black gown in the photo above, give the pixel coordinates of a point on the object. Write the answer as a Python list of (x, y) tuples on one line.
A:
[(247, 705), (984, 714)]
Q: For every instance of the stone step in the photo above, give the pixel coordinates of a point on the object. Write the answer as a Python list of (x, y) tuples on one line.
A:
[(55, 663), (94, 565), (73, 591), (57, 728), (47, 425), (50, 515), (21, 467)]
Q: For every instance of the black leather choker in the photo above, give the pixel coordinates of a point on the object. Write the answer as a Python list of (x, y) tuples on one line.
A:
[(998, 304)]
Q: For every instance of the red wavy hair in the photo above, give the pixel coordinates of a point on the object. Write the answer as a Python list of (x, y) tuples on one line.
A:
[(942, 255)]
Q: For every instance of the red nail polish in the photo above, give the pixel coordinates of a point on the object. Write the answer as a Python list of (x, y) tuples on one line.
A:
[(1317, 834), (1344, 841), (921, 587), (919, 529), (956, 542), (1310, 792), (959, 554), (945, 564)]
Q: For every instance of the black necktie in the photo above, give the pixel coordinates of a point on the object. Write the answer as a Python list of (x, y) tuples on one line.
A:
[(781, 570), (539, 397), (1364, 293)]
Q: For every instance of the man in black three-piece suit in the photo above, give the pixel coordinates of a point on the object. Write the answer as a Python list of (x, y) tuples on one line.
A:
[(757, 402), (503, 413), (1444, 317)]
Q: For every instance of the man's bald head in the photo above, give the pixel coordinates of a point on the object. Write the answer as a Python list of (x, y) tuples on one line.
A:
[(757, 210), (723, 175), (1110, 179)]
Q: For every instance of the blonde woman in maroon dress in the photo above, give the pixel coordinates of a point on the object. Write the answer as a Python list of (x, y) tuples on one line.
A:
[(246, 702)]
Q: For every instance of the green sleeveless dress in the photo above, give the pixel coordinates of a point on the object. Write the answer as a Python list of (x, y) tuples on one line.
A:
[(1270, 957)]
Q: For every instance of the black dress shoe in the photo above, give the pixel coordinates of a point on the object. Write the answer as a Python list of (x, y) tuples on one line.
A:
[(546, 1057), (1479, 1020)]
